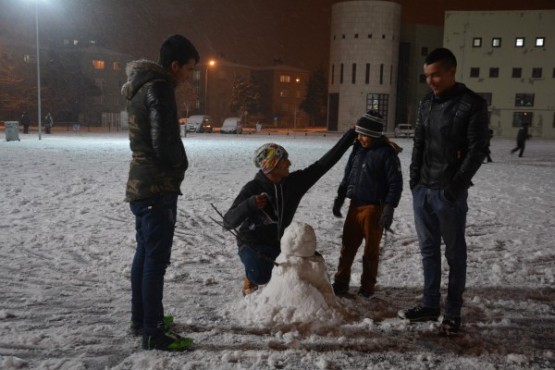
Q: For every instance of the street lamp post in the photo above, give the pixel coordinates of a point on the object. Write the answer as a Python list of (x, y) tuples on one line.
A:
[(38, 67), (210, 63)]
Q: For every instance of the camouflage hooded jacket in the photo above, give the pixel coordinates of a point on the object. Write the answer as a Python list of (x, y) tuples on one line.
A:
[(159, 160)]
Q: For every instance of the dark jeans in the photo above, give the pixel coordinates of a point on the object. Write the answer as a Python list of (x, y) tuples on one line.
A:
[(154, 225), (519, 146), (437, 218), (259, 262)]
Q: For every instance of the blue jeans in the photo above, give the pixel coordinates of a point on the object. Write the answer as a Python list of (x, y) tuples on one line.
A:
[(436, 218), (259, 262), (154, 225)]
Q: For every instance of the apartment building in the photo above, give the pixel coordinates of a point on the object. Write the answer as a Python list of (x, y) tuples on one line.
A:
[(509, 58)]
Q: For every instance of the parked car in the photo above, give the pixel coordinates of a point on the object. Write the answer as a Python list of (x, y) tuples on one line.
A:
[(404, 130), (232, 125), (198, 123), (205, 126)]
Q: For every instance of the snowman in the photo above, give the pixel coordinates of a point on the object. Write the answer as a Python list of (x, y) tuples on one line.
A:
[(299, 290)]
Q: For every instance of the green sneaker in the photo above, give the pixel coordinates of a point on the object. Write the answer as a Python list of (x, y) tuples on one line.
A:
[(166, 341)]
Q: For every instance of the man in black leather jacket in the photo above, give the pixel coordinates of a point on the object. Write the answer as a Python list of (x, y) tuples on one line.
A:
[(156, 171), (450, 144)]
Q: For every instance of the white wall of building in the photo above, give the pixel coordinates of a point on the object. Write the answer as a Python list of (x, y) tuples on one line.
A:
[(461, 34), (364, 32)]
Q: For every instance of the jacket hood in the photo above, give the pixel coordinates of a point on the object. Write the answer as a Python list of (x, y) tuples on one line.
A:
[(139, 72)]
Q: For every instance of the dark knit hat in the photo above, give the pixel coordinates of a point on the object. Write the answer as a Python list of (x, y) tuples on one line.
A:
[(371, 124)]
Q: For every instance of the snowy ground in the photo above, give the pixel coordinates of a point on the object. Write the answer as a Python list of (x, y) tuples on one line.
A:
[(67, 240)]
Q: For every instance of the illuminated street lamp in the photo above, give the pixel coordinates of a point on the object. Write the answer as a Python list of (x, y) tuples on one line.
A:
[(210, 63)]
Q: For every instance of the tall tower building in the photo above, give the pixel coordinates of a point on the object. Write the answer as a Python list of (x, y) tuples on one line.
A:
[(364, 51)]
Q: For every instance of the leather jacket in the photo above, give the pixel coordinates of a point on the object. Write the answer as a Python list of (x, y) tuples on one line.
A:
[(450, 140)]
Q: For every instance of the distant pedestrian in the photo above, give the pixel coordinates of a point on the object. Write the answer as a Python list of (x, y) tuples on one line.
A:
[(48, 123), (488, 153), (25, 121), (521, 138)]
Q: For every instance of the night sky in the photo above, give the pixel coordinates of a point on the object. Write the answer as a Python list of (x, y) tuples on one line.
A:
[(253, 32)]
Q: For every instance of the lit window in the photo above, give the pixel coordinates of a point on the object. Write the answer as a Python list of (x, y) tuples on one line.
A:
[(27, 58), (379, 103), (496, 42), (284, 93), (519, 42), (524, 100), (98, 64), (116, 66), (477, 42), (521, 118), (540, 41), (285, 78)]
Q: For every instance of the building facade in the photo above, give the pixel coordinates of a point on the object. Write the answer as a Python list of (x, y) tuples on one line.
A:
[(509, 58), (363, 63)]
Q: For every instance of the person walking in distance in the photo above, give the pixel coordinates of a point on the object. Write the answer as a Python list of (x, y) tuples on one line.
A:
[(450, 144), (521, 138)]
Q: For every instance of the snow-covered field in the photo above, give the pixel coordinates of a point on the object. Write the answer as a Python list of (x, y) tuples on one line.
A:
[(67, 240)]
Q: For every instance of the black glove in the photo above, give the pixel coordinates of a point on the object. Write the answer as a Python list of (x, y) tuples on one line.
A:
[(387, 216), (337, 204)]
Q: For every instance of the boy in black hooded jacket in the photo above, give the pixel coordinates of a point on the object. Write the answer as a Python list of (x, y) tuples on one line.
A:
[(266, 205)]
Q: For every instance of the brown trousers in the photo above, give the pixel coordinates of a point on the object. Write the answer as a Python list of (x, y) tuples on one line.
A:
[(362, 222)]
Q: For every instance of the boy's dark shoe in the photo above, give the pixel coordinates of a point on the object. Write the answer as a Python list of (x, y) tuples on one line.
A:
[(450, 326), (248, 287), (166, 341), (365, 293), (340, 288), (420, 314)]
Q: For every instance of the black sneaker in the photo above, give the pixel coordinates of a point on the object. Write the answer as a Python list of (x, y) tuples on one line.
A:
[(166, 341), (419, 314), (365, 293), (136, 329), (450, 326), (340, 288)]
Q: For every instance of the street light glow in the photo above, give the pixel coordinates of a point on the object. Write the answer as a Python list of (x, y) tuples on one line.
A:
[(210, 63)]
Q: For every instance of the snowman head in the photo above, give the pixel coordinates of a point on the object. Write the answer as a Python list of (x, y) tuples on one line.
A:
[(298, 240)]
